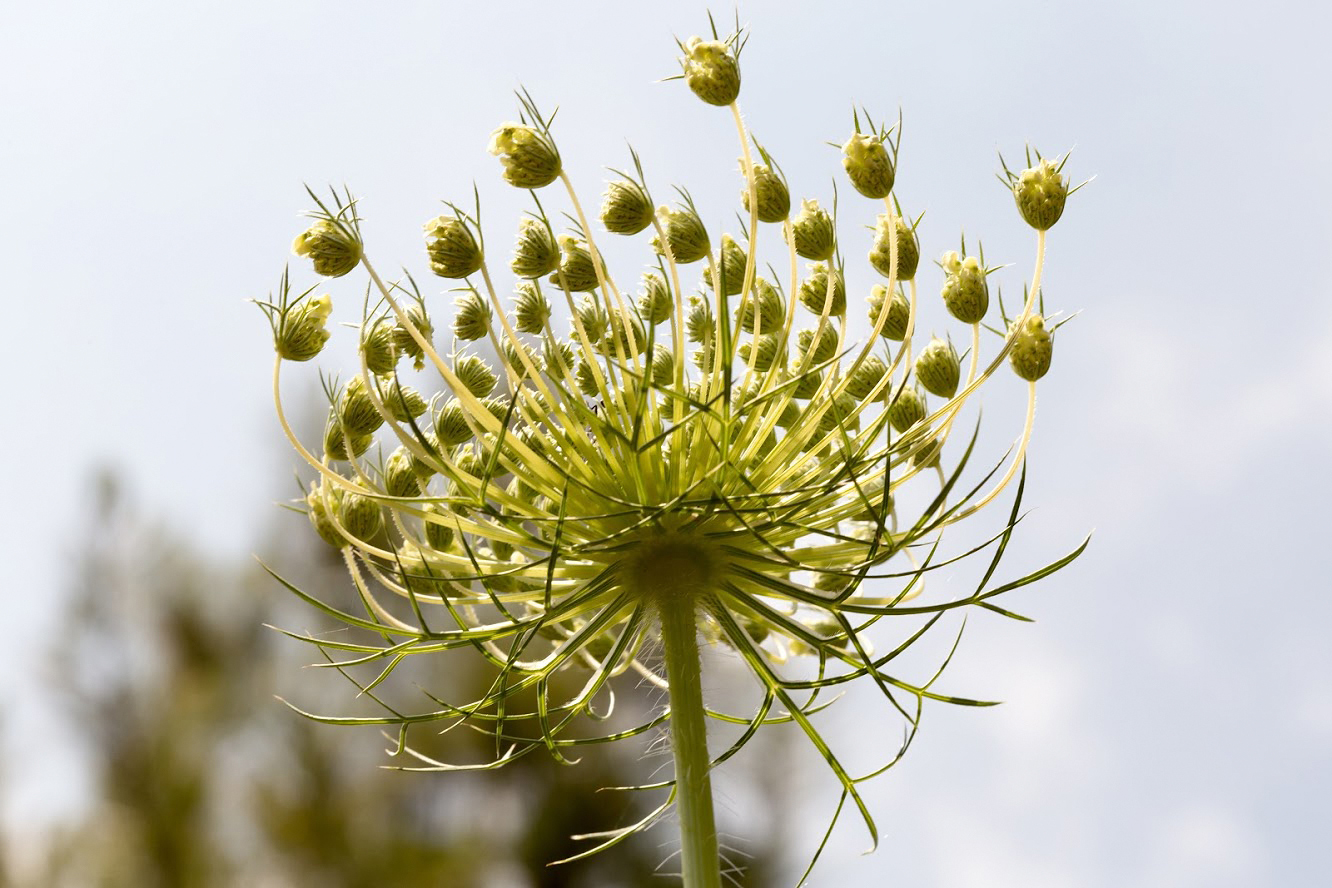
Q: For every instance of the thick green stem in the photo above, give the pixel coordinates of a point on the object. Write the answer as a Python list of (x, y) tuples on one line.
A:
[(689, 743)]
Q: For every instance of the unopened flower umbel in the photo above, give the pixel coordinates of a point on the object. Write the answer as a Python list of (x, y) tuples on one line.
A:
[(595, 479)]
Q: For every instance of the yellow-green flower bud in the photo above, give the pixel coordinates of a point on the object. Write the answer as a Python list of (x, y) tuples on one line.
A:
[(699, 323), (790, 415), (438, 527), (336, 446), (496, 407), (557, 358), (868, 165), (576, 273), (814, 291), (530, 158), (908, 249), (1032, 349), (965, 291), (730, 268), (812, 231), (928, 454), (317, 511), (402, 402), (406, 343), (381, 355), (760, 356), (685, 234), (937, 368), (531, 311), (899, 312), (356, 410), (451, 424), (663, 366), (907, 408), (860, 382), (360, 515), (536, 252), (824, 349), (469, 460), (840, 414), (807, 386), (765, 310), (655, 302), (624, 328), (587, 380), (401, 478), (333, 247), (625, 208), (774, 198), (301, 331), (471, 316), (453, 249), (1040, 192), (711, 70), (705, 358), (475, 374), (593, 320)]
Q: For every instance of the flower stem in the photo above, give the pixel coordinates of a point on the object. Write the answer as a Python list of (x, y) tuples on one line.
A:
[(689, 743)]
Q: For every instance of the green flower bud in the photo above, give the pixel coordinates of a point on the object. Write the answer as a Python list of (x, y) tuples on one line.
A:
[(451, 424), (381, 355), (705, 358), (812, 231), (301, 332), (402, 402), (593, 319), (899, 313), (529, 157), (790, 415), (868, 165), (401, 477), (513, 353), (496, 407), (557, 358), (928, 454), (711, 70), (730, 268), (763, 353), (655, 302), (531, 311), (471, 316), (452, 248), (334, 247), (317, 511), (625, 208), (404, 340), (965, 291), (361, 516), (438, 527), (908, 249), (356, 410), (840, 414), (1040, 192), (808, 384), (624, 328), (685, 234), (907, 408), (699, 323), (663, 366), (864, 378), (336, 446), (814, 291), (824, 349), (587, 380), (1032, 349), (774, 198), (475, 374), (765, 311), (536, 252), (576, 273), (470, 460), (937, 368)]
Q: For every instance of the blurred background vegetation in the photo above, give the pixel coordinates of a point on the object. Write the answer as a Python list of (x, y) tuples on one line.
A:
[(167, 675)]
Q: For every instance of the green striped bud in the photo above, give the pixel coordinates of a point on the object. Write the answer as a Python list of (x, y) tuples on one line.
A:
[(1032, 349), (808, 384), (452, 248), (333, 247), (699, 323), (908, 249), (472, 316), (1040, 193), (381, 355), (907, 408), (814, 293), (711, 70), (301, 331), (475, 374), (663, 365), (625, 207), (965, 291), (899, 312), (655, 302), (823, 349), (451, 424), (587, 379), (868, 165), (317, 511), (812, 232), (406, 343), (401, 478), (557, 358), (531, 310), (938, 369), (861, 381), (536, 252), (336, 445), (593, 320), (685, 235), (774, 198), (402, 402), (576, 273), (626, 331), (356, 410), (765, 311), (731, 268), (360, 516), (438, 527), (469, 459), (529, 156), (840, 414), (761, 355)]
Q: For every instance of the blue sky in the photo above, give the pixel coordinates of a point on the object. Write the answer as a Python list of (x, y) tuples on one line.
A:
[(1170, 715)]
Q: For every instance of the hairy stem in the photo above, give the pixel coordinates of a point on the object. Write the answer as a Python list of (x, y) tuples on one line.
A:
[(689, 743)]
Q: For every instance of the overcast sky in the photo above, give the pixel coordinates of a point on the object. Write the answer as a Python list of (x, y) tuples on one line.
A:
[(1169, 718)]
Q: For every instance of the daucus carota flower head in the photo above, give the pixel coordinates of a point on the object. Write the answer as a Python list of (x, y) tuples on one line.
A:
[(725, 464)]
